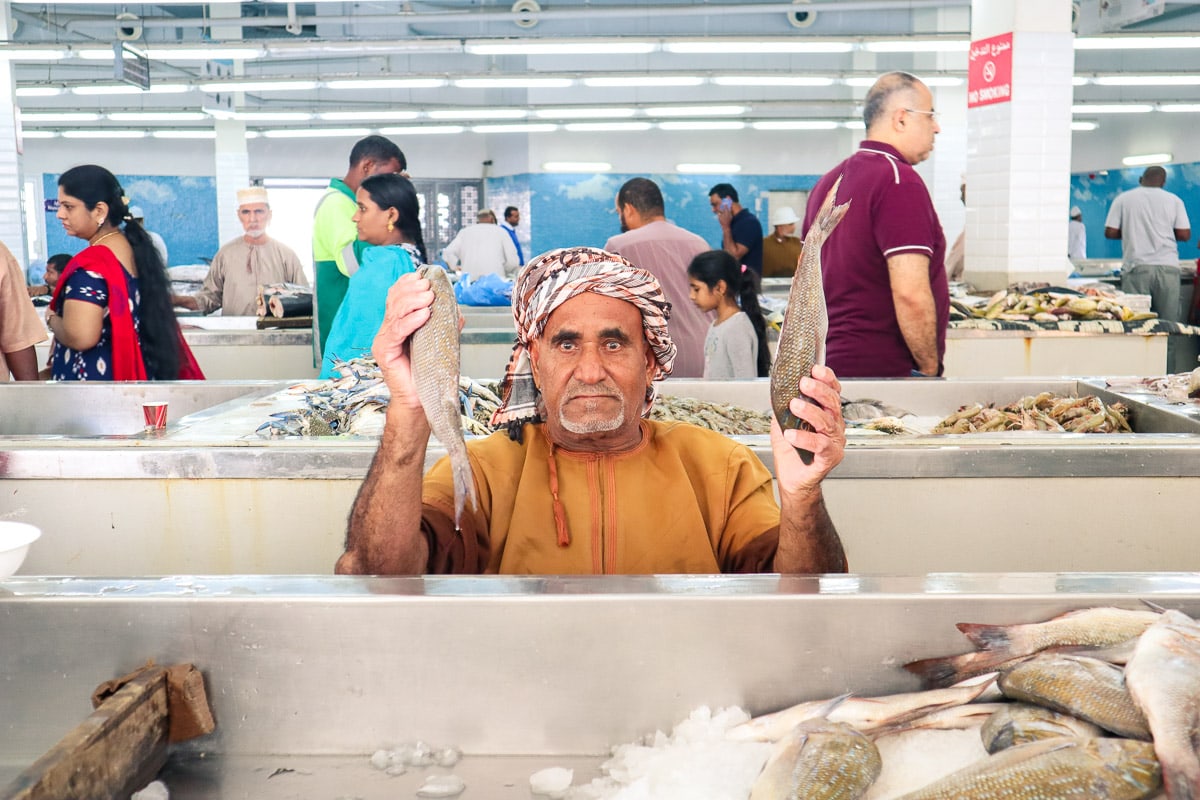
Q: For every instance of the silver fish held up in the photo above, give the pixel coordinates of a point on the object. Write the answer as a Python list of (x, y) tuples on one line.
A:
[(434, 356), (819, 760), (1164, 678), (802, 338)]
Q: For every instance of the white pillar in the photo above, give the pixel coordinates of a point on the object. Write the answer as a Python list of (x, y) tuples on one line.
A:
[(233, 173), (1019, 151), (232, 168), (12, 228)]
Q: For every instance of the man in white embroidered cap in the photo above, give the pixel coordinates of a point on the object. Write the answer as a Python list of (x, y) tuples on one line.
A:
[(246, 263), (578, 480)]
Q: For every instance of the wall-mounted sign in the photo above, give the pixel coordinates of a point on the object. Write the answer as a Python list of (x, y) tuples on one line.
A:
[(989, 71)]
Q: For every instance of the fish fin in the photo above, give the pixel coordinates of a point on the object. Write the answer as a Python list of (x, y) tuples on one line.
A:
[(464, 488), (830, 214), (1153, 606)]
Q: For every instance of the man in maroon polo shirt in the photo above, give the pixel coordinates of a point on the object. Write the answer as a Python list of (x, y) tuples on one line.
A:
[(884, 265)]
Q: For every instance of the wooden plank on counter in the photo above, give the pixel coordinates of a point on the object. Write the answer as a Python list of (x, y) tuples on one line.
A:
[(266, 323), (117, 750)]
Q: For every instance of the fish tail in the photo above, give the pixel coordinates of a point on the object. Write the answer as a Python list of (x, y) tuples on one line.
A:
[(464, 486), (829, 215), (944, 671)]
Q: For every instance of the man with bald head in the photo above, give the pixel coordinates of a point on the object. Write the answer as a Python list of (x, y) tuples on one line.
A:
[(884, 266), (1149, 221), (579, 480)]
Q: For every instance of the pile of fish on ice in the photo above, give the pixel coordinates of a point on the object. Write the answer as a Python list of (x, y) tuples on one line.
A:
[(1037, 712)]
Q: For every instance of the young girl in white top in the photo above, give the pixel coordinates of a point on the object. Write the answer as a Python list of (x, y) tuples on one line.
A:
[(736, 344)]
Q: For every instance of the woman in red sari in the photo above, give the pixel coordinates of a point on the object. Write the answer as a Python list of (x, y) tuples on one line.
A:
[(111, 314)]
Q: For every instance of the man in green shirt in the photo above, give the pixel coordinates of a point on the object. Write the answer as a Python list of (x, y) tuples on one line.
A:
[(335, 244)]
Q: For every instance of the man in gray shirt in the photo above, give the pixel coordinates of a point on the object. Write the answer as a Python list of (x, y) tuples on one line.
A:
[(1149, 221)]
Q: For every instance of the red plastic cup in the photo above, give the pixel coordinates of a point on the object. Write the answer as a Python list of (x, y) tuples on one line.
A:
[(155, 415)]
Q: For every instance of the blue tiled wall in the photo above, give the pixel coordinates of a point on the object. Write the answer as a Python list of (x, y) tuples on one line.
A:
[(181, 210), (1093, 192)]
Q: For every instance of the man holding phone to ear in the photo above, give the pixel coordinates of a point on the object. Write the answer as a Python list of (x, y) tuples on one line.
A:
[(741, 232)]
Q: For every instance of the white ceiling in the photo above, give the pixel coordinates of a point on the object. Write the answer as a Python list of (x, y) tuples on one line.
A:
[(323, 43)]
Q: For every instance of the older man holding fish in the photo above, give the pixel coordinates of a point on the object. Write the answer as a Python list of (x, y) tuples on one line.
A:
[(885, 281), (580, 481)]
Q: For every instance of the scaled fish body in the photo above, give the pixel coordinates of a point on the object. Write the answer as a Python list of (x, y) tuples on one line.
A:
[(1020, 723), (1097, 769), (819, 760), (802, 338), (434, 355), (1082, 687), (1164, 678), (861, 713)]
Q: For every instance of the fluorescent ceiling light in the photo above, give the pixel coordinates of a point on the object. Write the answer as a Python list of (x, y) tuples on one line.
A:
[(387, 83), (854, 125), (39, 91), (714, 169), (159, 53), (722, 47), (209, 134), (864, 83), (1112, 108), (794, 125), (477, 113), (607, 127), (565, 48), (1125, 42), (918, 46), (1147, 80), (635, 81), (1079, 80), (695, 111), (105, 89), (158, 116), (105, 133), (1179, 108), (1084, 126), (513, 83), (943, 80), (124, 88), (271, 116), (577, 166), (523, 127), (39, 134), (1146, 160), (258, 86), (584, 113), (59, 116), (11, 53), (314, 133), (367, 114), (419, 130), (702, 125), (771, 80)]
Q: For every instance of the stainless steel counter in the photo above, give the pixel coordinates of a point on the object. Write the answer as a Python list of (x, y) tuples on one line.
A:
[(314, 674), (208, 495)]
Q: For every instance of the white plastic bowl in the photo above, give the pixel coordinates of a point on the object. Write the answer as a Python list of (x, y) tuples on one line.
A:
[(15, 539)]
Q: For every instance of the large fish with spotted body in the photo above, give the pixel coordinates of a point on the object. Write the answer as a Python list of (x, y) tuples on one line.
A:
[(802, 338), (434, 358)]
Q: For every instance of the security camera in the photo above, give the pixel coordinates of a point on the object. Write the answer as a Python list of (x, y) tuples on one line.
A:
[(129, 26)]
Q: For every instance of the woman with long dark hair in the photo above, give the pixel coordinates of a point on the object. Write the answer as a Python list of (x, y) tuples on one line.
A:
[(389, 220), (111, 313), (736, 344)]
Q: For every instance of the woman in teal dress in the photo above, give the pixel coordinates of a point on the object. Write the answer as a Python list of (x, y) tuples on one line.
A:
[(388, 220)]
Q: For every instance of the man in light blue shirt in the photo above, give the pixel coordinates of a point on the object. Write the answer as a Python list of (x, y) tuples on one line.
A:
[(512, 218)]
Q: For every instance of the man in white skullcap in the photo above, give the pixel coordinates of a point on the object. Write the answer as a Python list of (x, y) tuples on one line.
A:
[(246, 263), (782, 247), (1076, 235), (579, 480)]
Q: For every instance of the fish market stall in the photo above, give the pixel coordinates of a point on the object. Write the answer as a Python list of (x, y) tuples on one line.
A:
[(308, 677), (210, 495)]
